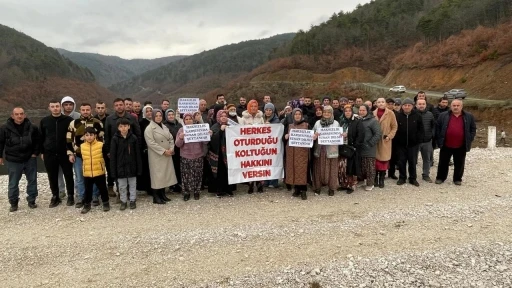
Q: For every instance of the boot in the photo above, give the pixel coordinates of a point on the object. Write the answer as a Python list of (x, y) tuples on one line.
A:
[(87, 208), (106, 206), (296, 192), (156, 197), (164, 197), (382, 175), (186, 196), (55, 201), (196, 196), (376, 180), (251, 188), (123, 206), (303, 194), (260, 187), (288, 187), (331, 192), (14, 205)]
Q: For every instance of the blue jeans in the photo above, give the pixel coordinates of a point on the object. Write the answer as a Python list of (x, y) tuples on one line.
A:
[(15, 171), (272, 182), (79, 180)]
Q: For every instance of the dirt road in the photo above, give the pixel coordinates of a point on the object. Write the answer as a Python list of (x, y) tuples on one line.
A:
[(399, 236)]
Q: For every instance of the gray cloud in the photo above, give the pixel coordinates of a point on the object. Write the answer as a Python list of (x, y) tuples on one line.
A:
[(156, 28)]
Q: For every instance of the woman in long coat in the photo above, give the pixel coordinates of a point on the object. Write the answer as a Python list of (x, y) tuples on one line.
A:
[(325, 164), (372, 135), (297, 158), (353, 133), (174, 126), (160, 150), (217, 155), (388, 127)]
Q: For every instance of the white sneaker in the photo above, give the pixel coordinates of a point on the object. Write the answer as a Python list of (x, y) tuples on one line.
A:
[(369, 188)]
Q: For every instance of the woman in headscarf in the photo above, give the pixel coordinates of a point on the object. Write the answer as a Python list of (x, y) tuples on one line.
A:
[(160, 150), (325, 164), (353, 135), (198, 118), (297, 158), (217, 155), (144, 181), (174, 126), (252, 116), (270, 117), (372, 135), (388, 127), (191, 161)]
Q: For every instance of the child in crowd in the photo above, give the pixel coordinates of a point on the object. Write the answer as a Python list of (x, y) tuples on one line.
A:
[(125, 162), (93, 169)]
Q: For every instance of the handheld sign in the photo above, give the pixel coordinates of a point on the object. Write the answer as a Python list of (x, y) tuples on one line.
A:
[(231, 122), (301, 138), (330, 136), (254, 152), (196, 133), (188, 105)]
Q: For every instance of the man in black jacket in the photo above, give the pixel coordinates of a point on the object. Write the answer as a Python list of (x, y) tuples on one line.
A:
[(457, 130), (242, 106), (101, 114), (308, 109), (425, 147), (111, 124), (53, 130), (409, 135), (19, 139)]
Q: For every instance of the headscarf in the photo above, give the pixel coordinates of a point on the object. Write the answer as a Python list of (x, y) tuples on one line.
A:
[(271, 107), (251, 102), (327, 122), (144, 110), (167, 112), (187, 114), (367, 110), (217, 108), (301, 115), (219, 113), (344, 121), (154, 114)]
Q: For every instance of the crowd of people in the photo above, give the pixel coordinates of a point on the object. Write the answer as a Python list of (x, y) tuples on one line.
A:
[(142, 148)]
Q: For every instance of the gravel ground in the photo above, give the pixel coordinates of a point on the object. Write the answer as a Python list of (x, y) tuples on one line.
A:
[(399, 236)]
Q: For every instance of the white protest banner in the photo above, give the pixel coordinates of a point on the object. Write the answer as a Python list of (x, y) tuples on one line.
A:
[(231, 122), (188, 105), (196, 133), (301, 138), (254, 152), (330, 136)]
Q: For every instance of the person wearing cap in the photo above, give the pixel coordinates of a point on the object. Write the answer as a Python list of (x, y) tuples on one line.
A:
[(398, 104), (390, 104), (232, 114), (410, 133)]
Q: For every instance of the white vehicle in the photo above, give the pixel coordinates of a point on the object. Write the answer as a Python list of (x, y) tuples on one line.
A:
[(397, 89)]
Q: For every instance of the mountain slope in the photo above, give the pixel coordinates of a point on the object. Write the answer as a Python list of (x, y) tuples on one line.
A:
[(32, 73), (109, 70), (214, 66)]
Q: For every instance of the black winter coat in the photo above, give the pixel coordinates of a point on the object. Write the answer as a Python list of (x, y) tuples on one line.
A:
[(410, 129), (469, 128), (19, 147), (111, 128), (53, 131), (355, 138), (125, 156)]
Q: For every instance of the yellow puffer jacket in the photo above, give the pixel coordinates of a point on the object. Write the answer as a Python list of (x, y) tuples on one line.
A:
[(92, 156)]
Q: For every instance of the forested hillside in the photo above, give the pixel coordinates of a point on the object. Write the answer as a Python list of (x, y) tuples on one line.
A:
[(215, 67), (32, 73), (23, 58), (109, 70)]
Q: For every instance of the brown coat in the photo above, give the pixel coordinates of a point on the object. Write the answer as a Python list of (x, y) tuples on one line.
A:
[(388, 127), (296, 160)]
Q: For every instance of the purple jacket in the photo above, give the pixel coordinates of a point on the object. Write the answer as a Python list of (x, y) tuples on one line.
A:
[(189, 150)]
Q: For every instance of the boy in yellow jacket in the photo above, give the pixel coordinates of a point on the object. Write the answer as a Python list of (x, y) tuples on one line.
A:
[(93, 169)]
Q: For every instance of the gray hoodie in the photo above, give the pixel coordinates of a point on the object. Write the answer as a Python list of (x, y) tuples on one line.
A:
[(75, 115)]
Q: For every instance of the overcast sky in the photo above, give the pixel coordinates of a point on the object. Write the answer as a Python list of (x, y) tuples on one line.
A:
[(157, 28)]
